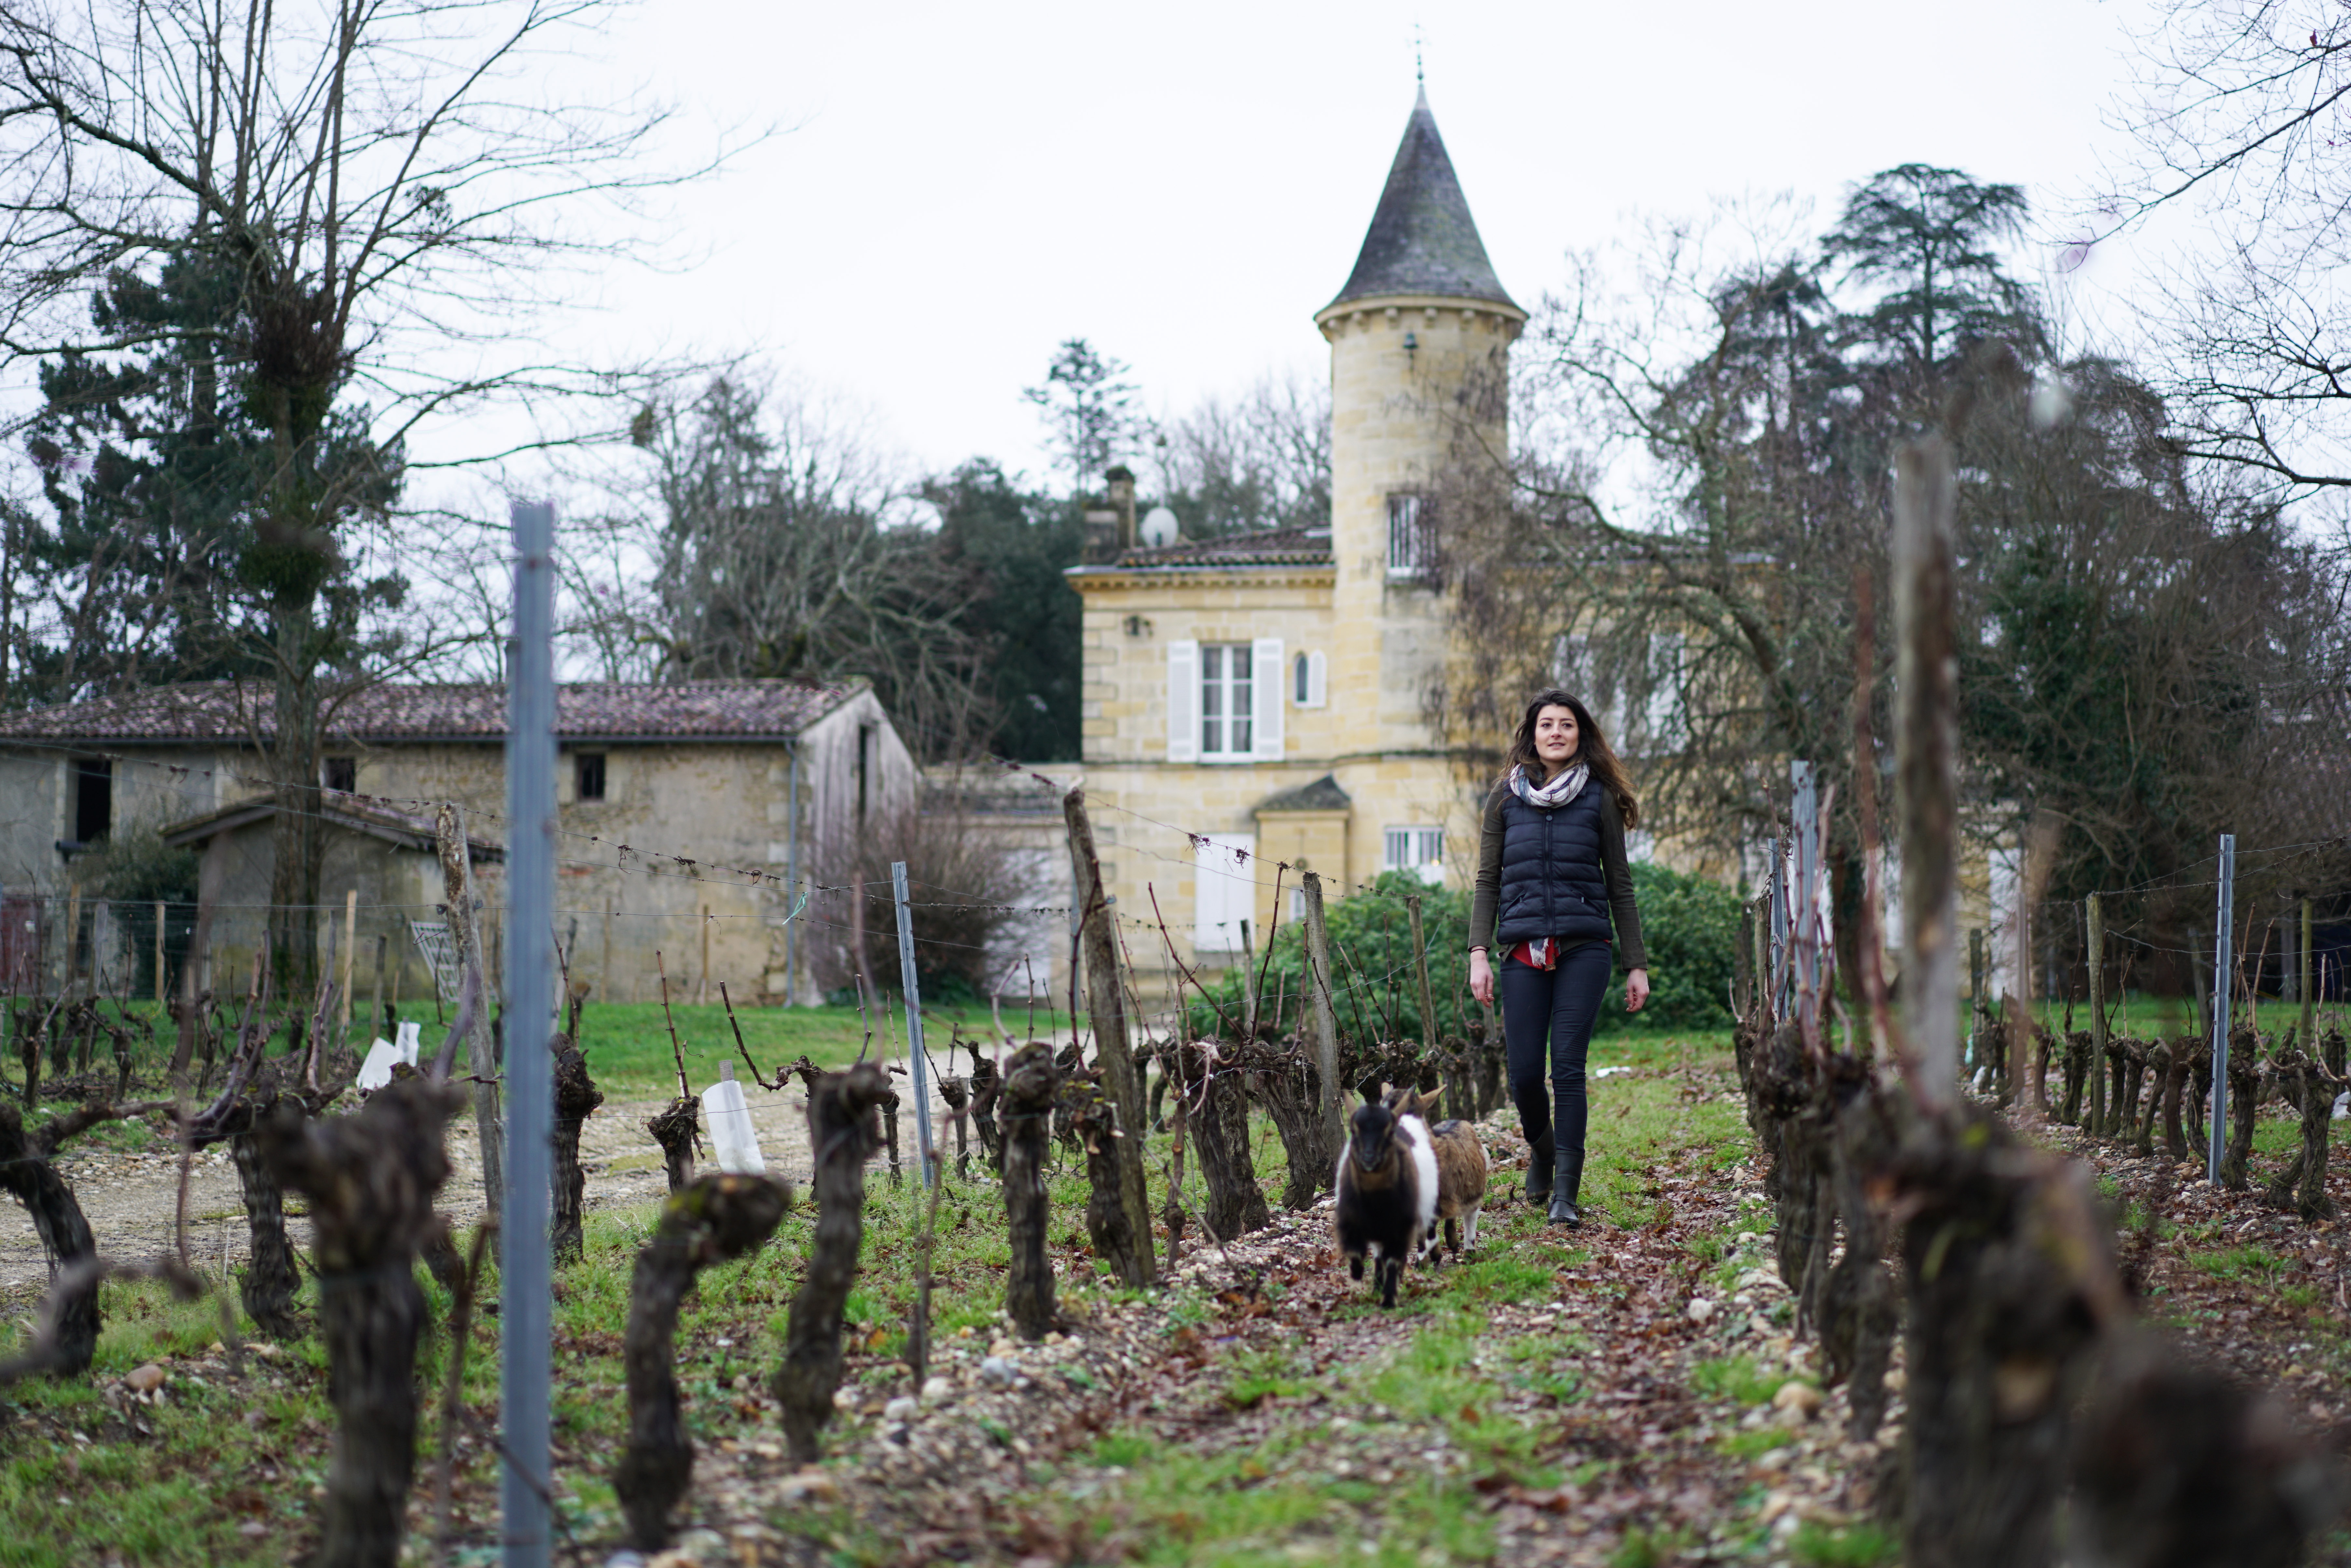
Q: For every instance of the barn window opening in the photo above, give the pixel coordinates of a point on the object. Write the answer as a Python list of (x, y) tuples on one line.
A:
[(865, 734), (341, 773), (93, 798), (588, 776)]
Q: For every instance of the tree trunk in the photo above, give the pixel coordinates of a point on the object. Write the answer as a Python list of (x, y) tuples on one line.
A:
[(2177, 1060), (370, 1177), (955, 1089), (2152, 1063), (2077, 1076), (270, 1278), (1029, 1094), (714, 1220), (2002, 1336), (1284, 1080), (1096, 1121), (843, 1136), (2244, 1090), (27, 1176), (2180, 1464), (296, 842), (576, 1096), (1861, 1309), (2126, 1061), (986, 1088), (1218, 1125), (889, 1135), (674, 1130)]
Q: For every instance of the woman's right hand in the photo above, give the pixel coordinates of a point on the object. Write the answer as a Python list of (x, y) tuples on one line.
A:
[(1481, 977)]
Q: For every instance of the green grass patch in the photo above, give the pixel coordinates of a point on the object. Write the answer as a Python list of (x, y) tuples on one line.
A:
[(1847, 1546), (1736, 1378), (1750, 1444), (2246, 1264)]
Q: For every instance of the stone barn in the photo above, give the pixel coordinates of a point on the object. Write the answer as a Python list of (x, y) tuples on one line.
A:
[(694, 816)]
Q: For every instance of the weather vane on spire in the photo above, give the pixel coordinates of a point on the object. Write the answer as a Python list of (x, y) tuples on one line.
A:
[(1419, 72)]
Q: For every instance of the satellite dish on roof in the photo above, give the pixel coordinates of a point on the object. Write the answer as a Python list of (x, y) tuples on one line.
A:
[(1159, 527)]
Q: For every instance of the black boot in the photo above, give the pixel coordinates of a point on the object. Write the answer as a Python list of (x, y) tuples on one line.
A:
[(1567, 1179), (1540, 1159)]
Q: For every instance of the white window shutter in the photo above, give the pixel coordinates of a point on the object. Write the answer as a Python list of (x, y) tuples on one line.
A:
[(1183, 701), (1318, 680), (1269, 668)]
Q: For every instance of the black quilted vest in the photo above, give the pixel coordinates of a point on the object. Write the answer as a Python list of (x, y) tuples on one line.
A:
[(1551, 880)]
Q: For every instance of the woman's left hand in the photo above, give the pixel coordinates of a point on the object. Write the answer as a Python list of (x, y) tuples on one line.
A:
[(1636, 989)]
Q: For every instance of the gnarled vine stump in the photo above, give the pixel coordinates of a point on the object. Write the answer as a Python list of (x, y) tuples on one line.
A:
[(576, 1096), (370, 1177), (842, 1135), (715, 1220), (1030, 1083)]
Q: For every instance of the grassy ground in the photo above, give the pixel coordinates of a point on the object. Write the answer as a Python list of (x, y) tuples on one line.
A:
[(1558, 1396)]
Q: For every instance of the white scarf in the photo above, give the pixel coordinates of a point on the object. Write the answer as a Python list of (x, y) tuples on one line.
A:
[(1557, 793)]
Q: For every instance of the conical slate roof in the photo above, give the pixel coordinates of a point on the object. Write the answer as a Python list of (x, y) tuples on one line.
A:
[(1423, 240)]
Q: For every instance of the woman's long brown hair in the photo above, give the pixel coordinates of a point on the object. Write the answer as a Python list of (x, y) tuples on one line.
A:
[(1590, 748)]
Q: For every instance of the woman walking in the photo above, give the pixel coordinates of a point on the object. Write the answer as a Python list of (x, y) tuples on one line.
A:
[(1552, 880)]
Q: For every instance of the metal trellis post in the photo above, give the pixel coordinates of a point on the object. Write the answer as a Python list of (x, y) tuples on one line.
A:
[(913, 1021), (2220, 968), (524, 1264)]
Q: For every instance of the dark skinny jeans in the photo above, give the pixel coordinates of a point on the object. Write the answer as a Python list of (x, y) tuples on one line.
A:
[(1561, 1004)]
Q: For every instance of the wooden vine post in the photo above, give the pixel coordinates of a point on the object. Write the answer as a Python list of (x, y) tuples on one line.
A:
[(1326, 1019), (678, 1127), (1459, 1096), (481, 1053), (2095, 916), (2307, 982), (1105, 1002)]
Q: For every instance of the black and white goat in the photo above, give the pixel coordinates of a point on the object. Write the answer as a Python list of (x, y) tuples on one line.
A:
[(1388, 1190)]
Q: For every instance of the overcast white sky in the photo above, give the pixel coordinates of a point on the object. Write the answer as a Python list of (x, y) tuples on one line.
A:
[(958, 188)]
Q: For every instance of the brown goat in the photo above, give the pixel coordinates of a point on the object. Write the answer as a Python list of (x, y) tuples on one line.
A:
[(1460, 1176)]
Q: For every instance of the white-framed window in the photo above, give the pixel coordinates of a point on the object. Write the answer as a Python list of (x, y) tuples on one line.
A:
[(1420, 850), (1298, 905), (1225, 701), (1310, 680), (1224, 884), (1408, 538), (1226, 705)]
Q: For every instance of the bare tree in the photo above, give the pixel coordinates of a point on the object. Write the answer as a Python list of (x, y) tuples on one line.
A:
[(783, 548), (2147, 651), (1259, 461), (2237, 116), (342, 209)]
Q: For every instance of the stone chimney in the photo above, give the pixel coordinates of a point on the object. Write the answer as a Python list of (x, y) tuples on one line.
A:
[(1110, 522)]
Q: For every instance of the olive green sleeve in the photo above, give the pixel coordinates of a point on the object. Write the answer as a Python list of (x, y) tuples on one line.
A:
[(1627, 915), (1488, 898)]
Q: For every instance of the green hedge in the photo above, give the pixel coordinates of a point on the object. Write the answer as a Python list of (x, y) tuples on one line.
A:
[(1690, 925)]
